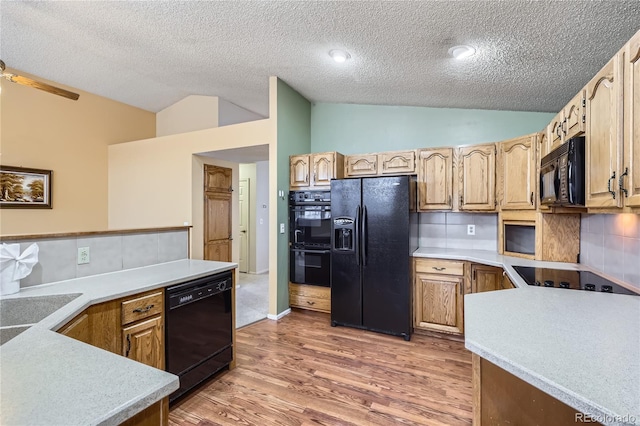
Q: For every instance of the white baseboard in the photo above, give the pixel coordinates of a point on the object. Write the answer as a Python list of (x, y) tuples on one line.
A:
[(280, 315), (264, 271)]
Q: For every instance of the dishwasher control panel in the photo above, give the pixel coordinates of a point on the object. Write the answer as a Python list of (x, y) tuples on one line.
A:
[(202, 288)]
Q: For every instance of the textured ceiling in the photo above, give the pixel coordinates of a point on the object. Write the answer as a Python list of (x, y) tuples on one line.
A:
[(532, 55)]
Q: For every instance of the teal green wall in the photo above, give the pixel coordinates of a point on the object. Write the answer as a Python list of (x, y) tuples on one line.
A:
[(358, 129), (294, 137)]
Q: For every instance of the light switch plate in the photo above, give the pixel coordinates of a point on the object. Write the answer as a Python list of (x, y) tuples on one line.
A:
[(282, 228), (83, 255)]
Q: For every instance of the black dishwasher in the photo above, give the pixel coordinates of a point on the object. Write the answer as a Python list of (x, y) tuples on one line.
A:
[(199, 331)]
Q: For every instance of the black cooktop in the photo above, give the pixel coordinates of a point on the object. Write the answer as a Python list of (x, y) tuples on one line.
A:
[(575, 280)]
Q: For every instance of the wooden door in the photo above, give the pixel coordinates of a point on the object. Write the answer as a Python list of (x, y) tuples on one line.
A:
[(631, 166), (143, 342), (574, 116), (477, 170), (244, 225), (399, 162), (299, 167), (361, 165), (217, 214), (435, 179), (439, 303), (485, 278), (554, 131), (323, 169), (517, 173), (603, 136)]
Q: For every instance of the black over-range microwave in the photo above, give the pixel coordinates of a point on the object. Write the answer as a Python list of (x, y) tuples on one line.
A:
[(562, 178)]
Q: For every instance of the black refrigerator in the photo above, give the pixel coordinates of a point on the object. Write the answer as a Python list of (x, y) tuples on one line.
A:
[(373, 232)]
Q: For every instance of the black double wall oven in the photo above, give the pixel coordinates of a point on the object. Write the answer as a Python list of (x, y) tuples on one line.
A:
[(310, 237)]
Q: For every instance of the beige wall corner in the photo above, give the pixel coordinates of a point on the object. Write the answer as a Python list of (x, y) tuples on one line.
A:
[(44, 131), (187, 115)]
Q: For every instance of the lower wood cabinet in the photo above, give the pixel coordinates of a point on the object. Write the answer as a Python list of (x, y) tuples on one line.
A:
[(506, 282), (78, 328), (312, 297), (142, 342), (485, 278), (439, 287)]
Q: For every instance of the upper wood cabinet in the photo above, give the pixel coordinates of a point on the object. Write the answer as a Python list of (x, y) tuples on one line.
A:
[(517, 173), (604, 136), (476, 177), (383, 163), (435, 179), (569, 122), (629, 181), (315, 170)]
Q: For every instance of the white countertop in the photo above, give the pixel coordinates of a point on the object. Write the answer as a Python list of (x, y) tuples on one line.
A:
[(48, 379), (582, 348)]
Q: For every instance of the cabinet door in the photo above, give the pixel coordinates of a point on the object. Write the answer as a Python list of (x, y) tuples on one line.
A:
[(299, 167), (143, 342), (323, 169), (477, 171), (396, 163), (631, 166), (604, 136), (78, 328), (554, 131), (435, 179), (361, 165), (485, 278), (517, 173), (574, 117), (506, 282), (439, 303)]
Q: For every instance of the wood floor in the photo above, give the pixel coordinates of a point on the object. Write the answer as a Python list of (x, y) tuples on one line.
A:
[(301, 371)]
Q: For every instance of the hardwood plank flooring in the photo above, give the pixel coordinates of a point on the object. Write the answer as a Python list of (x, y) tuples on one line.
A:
[(301, 371)]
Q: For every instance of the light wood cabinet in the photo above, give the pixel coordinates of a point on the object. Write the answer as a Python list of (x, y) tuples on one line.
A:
[(485, 278), (569, 122), (517, 173), (435, 179), (476, 177), (143, 342), (312, 297), (604, 136), (439, 288), (629, 182), (380, 164), (78, 328), (315, 171), (506, 282)]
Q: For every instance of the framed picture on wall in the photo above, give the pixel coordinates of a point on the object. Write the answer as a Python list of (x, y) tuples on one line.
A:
[(23, 188)]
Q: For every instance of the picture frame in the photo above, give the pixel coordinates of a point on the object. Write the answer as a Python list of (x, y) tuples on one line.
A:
[(25, 188)]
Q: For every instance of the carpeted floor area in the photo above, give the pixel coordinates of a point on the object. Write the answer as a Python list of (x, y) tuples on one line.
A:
[(252, 298)]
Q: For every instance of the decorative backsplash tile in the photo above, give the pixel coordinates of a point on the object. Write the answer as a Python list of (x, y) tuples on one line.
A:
[(610, 243), (449, 230), (57, 257)]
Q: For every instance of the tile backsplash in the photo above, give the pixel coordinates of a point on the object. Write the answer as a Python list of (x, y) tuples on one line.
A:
[(449, 230), (610, 243), (57, 257)]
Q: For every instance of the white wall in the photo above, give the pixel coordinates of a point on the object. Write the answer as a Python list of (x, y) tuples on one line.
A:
[(262, 217), (229, 113), (191, 113)]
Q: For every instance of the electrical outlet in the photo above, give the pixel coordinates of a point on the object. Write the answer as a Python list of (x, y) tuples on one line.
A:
[(83, 255), (471, 230), (282, 228)]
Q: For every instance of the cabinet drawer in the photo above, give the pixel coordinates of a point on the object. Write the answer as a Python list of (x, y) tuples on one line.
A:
[(313, 303), (142, 307), (439, 266)]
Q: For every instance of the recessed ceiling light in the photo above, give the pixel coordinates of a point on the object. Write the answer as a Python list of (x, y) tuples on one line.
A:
[(339, 55), (462, 51)]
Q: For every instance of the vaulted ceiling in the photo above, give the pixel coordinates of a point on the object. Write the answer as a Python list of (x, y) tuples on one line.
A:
[(531, 55)]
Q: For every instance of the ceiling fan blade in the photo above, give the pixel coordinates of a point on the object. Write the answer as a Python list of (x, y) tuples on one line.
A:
[(42, 86)]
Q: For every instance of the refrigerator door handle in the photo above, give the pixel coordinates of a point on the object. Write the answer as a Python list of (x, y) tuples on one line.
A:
[(356, 239), (363, 233)]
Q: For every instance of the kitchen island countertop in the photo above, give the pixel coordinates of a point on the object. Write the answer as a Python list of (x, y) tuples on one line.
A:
[(582, 348), (48, 378)]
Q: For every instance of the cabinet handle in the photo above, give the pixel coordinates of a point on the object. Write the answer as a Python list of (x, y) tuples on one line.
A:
[(438, 268), (563, 127), (450, 201), (143, 310), (461, 199), (613, 193), (310, 302), (230, 237), (558, 130), (621, 182), (315, 176), (531, 199), (128, 345)]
